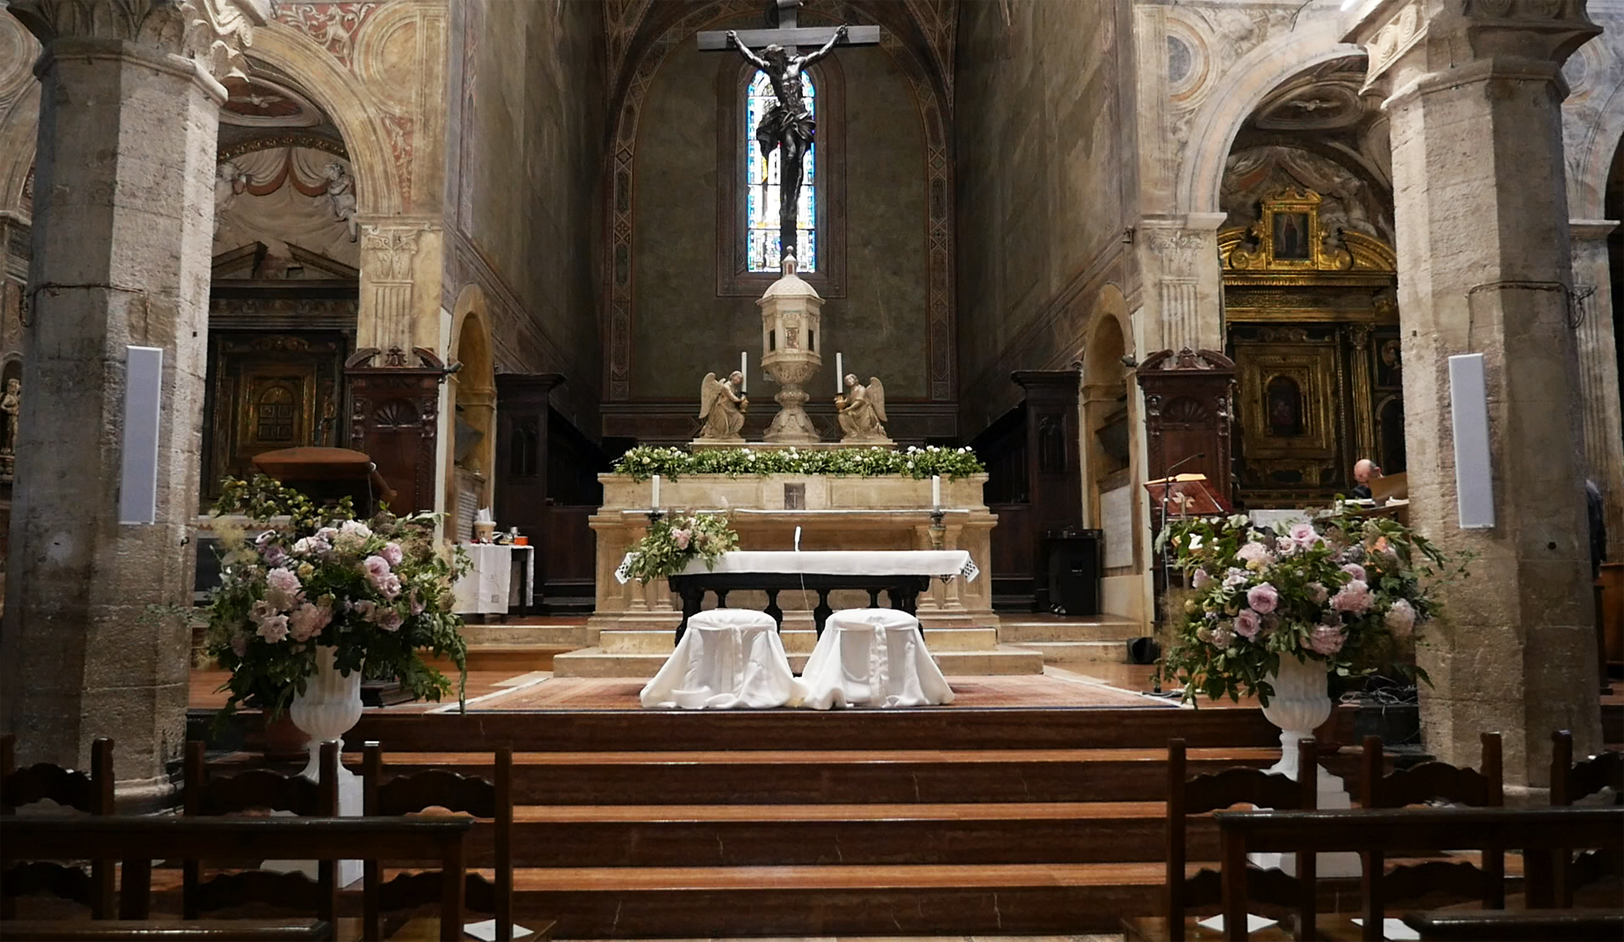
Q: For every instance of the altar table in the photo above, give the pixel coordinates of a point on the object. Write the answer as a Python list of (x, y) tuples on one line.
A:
[(901, 574)]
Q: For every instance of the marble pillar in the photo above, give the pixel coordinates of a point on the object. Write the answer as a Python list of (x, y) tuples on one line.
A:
[(123, 211), (1184, 285), (1474, 92), (1603, 419)]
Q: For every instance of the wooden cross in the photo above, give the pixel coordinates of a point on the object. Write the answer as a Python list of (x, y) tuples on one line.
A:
[(788, 34)]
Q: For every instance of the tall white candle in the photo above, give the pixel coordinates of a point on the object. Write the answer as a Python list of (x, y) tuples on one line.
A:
[(656, 492), (936, 491), (744, 371), (840, 375)]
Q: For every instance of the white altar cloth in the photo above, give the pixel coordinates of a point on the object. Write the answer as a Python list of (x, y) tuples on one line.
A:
[(875, 657), (728, 658), (943, 563), (484, 588)]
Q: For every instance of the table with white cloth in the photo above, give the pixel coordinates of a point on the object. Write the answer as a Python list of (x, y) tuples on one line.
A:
[(487, 587), (731, 658), (872, 657), (901, 574)]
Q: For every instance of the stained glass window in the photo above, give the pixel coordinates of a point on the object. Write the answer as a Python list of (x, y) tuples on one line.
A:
[(761, 179)]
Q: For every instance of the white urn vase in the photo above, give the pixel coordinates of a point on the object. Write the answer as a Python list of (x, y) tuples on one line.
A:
[(328, 708), (1300, 705)]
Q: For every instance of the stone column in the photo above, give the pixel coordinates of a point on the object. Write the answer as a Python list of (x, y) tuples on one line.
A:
[(1598, 372), (1475, 91), (1184, 285), (122, 210)]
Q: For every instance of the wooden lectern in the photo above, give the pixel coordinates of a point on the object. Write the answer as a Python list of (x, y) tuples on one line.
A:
[(1184, 495), (328, 475)]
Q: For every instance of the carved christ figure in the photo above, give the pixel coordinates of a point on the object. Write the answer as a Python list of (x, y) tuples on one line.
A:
[(721, 408), (788, 124), (11, 406)]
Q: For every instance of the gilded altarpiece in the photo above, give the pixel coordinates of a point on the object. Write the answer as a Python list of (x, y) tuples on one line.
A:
[(1312, 326)]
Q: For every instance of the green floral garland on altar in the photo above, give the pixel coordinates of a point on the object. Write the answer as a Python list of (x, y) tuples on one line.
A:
[(644, 462), (675, 540)]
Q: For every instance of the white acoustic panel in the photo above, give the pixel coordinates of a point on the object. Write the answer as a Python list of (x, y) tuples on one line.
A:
[(143, 405), (1469, 414)]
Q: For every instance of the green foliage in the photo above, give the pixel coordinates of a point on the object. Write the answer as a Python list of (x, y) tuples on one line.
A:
[(1352, 592), (673, 541), (644, 462), (379, 593)]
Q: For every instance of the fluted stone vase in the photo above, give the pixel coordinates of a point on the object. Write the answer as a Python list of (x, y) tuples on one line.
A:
[(1300, 705), (329, 707)]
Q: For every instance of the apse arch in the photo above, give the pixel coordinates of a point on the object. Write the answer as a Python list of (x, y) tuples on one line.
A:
[(349, 105), (1242, 88)]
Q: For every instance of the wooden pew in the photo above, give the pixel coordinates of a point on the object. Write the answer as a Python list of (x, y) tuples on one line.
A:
[(136, 841), (135, 930), (1533, 925), (1536, 831)]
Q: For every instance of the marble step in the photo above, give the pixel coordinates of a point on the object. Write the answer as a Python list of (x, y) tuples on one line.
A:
[(792, 778), (796, 641), (1016, 630), (784, 835), (514, 658), (596, 662), (575, 635), (1063, 653)]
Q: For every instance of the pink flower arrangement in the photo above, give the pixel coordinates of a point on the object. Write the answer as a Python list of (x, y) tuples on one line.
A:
[(1258, 595), (681, 538)]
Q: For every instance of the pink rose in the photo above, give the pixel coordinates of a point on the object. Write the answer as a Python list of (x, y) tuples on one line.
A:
[(273, 628), (1247, 624), (1327, 639), (1353, 598), (1401, 618), (681, 538), (393, 554), (1305, 536), (1222, 638), (366, 608), (1263, 598), (308, 620), (389, 586), (1356, 571), (1317, 593), (282, 588), (416, 604), (1256, 555), (1201, 579), (390, 620)]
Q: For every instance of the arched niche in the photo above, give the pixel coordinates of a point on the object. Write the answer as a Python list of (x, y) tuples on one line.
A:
[(1109, 418), (471, 413)]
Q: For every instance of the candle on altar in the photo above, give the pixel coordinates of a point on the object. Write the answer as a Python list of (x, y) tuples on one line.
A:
[(936, 492), (744, 371), (656, 492), (840, 375)]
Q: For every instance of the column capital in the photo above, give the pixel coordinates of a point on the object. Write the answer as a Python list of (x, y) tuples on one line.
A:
[(212, 33), (1408, 39), (1591, 230)]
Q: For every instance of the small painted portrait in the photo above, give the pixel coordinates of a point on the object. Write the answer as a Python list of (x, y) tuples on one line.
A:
[(1283, 407), (1390, 365), (1291, 236)]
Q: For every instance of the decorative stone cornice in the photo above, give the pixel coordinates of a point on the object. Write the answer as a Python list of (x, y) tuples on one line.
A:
[(1407, 39), (212, 33)]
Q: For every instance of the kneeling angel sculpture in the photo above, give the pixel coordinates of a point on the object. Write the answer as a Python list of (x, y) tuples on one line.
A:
[(721, 408), (861, 410)]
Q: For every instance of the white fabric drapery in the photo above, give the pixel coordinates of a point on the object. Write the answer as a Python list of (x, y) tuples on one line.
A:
[(728, 658), (484, 588), (874, 657)]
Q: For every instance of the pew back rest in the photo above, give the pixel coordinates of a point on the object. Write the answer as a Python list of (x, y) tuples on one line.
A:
[(90, 793)]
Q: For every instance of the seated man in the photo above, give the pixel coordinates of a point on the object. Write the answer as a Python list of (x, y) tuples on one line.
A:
[(1364, 471)]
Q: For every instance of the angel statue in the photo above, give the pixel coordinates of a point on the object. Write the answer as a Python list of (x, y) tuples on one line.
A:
[(861, 411), (721, 408), (341, 197)]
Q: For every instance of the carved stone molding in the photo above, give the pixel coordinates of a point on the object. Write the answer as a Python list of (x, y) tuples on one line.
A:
[(1419, 36), (213, 33)]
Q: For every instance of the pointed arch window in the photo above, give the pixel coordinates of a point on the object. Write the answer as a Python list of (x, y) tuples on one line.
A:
[(762, 180), (747, 251)]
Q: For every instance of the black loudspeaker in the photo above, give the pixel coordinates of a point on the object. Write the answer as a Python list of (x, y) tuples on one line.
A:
[(1143, 650), (1074, 572)]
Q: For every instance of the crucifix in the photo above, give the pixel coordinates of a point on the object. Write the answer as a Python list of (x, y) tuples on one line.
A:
[(788, 125)]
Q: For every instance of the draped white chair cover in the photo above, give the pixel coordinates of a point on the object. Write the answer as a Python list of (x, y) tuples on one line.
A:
[(728, 658), (872, 656)]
